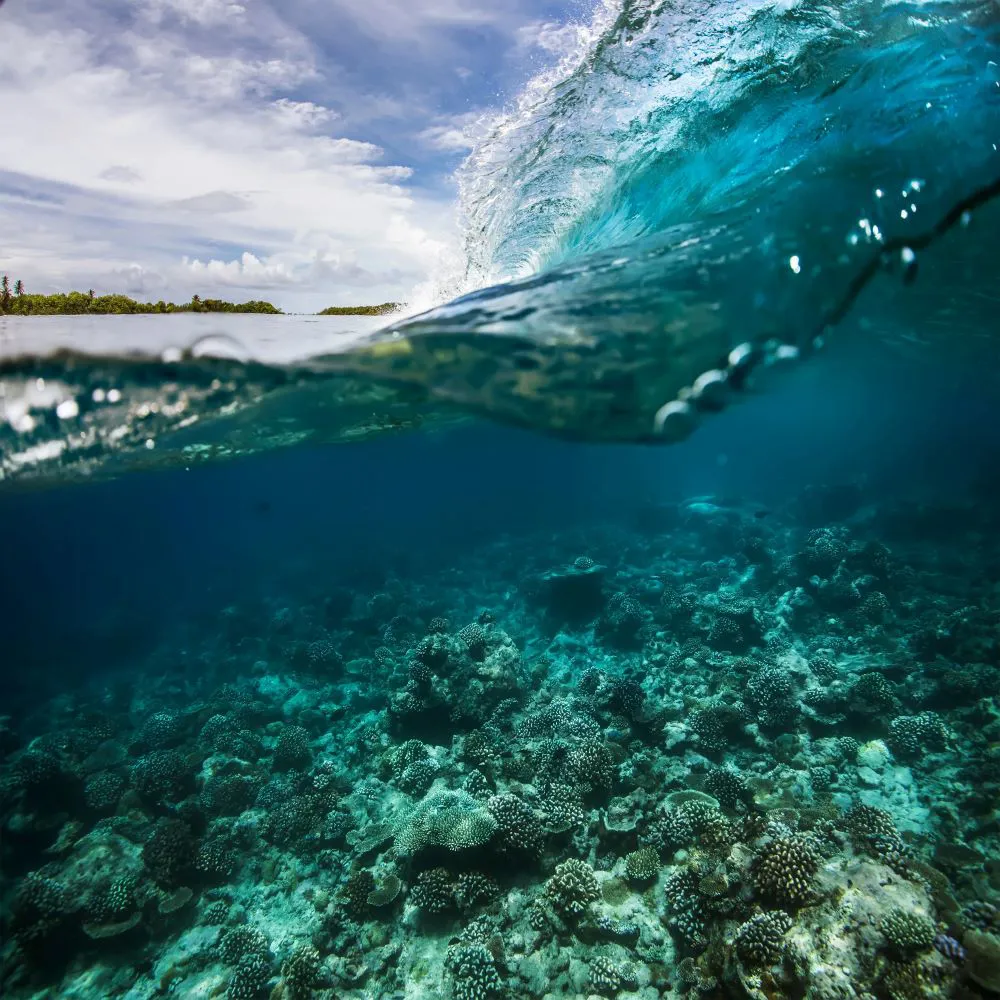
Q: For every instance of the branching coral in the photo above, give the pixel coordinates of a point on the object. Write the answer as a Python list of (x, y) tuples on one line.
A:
[(300, 972), (169, 853), (907, 933), (912, 735), (761, 940), (608, 977), (519, 829), (474, 972), (642, 865), (784, 869), (291, 752), (573, 887)]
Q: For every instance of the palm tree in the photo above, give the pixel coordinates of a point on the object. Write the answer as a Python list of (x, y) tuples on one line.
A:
[(4, 292), (19, 288), (90, 293)]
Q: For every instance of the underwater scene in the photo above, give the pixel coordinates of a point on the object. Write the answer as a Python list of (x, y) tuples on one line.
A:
[(625, 624)]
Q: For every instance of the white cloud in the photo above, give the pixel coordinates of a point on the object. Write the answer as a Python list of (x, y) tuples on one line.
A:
[(155, 149), (301, 114), (215, 202), (121, 174), (207, 13), (134, 279), (176, 146), (414, 22), (281, 270), (249, 270), (455, 134)]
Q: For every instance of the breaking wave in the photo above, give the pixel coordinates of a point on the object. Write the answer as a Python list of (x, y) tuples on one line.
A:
[(698, 194)]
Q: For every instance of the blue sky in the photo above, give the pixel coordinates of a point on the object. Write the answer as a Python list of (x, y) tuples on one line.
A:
[(300, 151)]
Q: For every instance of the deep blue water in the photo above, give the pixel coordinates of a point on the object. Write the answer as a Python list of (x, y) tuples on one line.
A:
[(95, 574)]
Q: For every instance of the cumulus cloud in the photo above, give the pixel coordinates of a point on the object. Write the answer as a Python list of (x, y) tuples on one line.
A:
[(166, 147), (153, 148), (134, 279), (282, 270)]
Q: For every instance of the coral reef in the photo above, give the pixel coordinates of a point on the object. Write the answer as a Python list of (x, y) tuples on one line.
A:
[(736, 757)]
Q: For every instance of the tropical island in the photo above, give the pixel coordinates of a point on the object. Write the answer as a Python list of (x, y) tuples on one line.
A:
[(16, 301), (380, 310)]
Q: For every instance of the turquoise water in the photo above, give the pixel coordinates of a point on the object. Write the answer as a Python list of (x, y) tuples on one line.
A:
[(698, 199), (358, 663)]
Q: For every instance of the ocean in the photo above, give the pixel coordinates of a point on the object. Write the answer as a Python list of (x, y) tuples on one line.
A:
[(624, 626)]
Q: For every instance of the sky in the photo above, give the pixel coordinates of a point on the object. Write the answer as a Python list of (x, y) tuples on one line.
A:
[(300, 151)]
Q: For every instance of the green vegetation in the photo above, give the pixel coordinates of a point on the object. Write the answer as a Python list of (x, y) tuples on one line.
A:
[(20, 303), (379, 310), (17, 302)]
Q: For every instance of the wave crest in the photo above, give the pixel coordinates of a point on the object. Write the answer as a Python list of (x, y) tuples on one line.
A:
[(671, 110)]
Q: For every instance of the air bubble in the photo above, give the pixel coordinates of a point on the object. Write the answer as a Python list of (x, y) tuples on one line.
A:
[(786, 353), (739, 354), (674, 421), (909, 260), (220, 345), (68, 409), (709, 390)]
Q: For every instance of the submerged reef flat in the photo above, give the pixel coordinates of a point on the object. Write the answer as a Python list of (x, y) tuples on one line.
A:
[(714, 751)]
